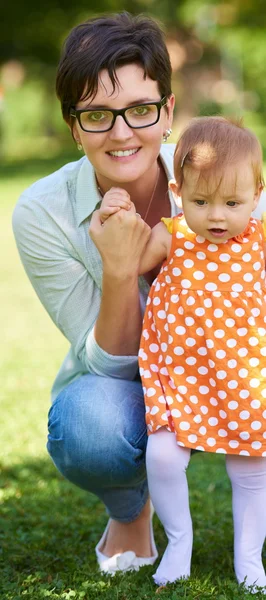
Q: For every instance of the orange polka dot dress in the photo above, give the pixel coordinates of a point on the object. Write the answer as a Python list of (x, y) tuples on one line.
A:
[(203, 347)]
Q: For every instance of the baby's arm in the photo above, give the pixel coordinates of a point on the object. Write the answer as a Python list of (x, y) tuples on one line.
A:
[(157, 249), (113, 201)]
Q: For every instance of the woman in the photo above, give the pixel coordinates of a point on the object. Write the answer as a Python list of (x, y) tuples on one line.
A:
[(86, 275)]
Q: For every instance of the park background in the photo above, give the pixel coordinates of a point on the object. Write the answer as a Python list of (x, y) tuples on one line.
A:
[(48, 529)]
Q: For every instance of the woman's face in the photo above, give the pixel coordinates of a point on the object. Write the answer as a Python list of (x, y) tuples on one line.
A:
[(144, 144)]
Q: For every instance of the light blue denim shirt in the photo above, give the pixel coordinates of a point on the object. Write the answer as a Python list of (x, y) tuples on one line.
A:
[(50, 223)]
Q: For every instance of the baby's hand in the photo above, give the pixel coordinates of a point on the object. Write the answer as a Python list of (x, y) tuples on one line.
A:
[(113, 201)]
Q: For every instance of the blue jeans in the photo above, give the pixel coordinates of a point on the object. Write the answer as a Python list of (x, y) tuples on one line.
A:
[(97, 440)]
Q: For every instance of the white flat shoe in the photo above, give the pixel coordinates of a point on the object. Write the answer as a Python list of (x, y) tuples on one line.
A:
[(124, 561)]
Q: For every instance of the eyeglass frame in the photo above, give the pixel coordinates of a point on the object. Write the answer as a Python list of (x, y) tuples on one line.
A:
[(76, 112)]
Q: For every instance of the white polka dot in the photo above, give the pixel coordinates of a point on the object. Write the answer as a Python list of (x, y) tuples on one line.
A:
[(211, 266), (182, 389), (171, 318), (248, 277), (200, 239), (222, 394), (211, 442), (222, 433), (198, 275), (257, 266), (244, 453), (203, 370), (242, 331), (154, 410), (232, 363), (191, 379), (224, 277), (151, 392), (254, 382), (184, 425), (255, 312), (237, 287), (255, 425), (190, 342), (185, 283), (179, 370), (232, 425), (191, 360), (194, 399), (224, 257), (213, 421), (164, 347), (203, 389), (202, 351), (200, 331), (231, 343), (227, 303), (244, 394), (180, 330), (212, 247), (236, 248), (244, 415), (256, 445), (209, 343), (202, 430), (207, 302), (244, 435), (235, 267), (233, 444), (154, 348), (176, 272), (210, 287), (180, 310), (189, 321), (219, 333), (154, 368), (178, 350), (201, 255), (213, 401), (220, 451), (263, 351), (204, 409), (243, 373), (190, 301), (254, 362), (220, 353), (255, 404), (232, 405), (246, 257), (212, 382), (175, 413), (263, 372), (208, 323), (221, 374), (192, 438), (199, 312), (164, 371), (255, 246), (230, 322), (188, 263), (156, 301), (222, 414), (179, 252), (189, 245), (242, 352), (197, 419), (218, 313)]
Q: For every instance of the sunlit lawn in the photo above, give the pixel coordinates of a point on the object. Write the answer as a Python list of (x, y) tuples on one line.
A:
[(48, 528)]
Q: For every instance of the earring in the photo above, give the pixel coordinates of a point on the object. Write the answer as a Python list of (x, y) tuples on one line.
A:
[(79, 147), (167, 134)]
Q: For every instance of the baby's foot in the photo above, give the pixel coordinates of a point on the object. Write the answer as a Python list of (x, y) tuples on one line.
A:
[(174, 565)]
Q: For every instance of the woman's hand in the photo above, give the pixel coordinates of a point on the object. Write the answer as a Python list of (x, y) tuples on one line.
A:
[(121, 240)]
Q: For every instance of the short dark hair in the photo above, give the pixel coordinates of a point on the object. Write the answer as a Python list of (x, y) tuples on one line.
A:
[(108, 42)]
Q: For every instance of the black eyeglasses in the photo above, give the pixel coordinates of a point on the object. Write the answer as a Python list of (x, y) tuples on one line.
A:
[(95, 120)]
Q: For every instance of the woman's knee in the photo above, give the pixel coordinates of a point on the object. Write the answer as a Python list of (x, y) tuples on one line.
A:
[(97, 432)]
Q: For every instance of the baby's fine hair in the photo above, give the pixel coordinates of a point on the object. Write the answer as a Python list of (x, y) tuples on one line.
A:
[(210, 144)]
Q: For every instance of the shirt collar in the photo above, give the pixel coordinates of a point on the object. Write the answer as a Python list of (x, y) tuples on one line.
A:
[(87, 193)]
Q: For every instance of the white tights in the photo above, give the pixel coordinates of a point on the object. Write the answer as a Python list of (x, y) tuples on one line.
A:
[(166, 467)]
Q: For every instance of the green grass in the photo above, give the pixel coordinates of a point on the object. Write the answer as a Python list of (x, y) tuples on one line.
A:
[(48, 528)]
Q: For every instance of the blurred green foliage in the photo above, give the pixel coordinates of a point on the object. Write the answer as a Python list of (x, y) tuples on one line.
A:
[(217, 49)]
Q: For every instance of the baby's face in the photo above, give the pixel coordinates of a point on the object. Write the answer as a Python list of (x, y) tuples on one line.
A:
[(219, 209)]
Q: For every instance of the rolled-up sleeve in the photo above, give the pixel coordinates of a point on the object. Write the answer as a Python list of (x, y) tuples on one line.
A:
[(64, 284)]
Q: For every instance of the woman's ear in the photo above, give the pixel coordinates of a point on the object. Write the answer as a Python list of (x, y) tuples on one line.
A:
[(173, 187)]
